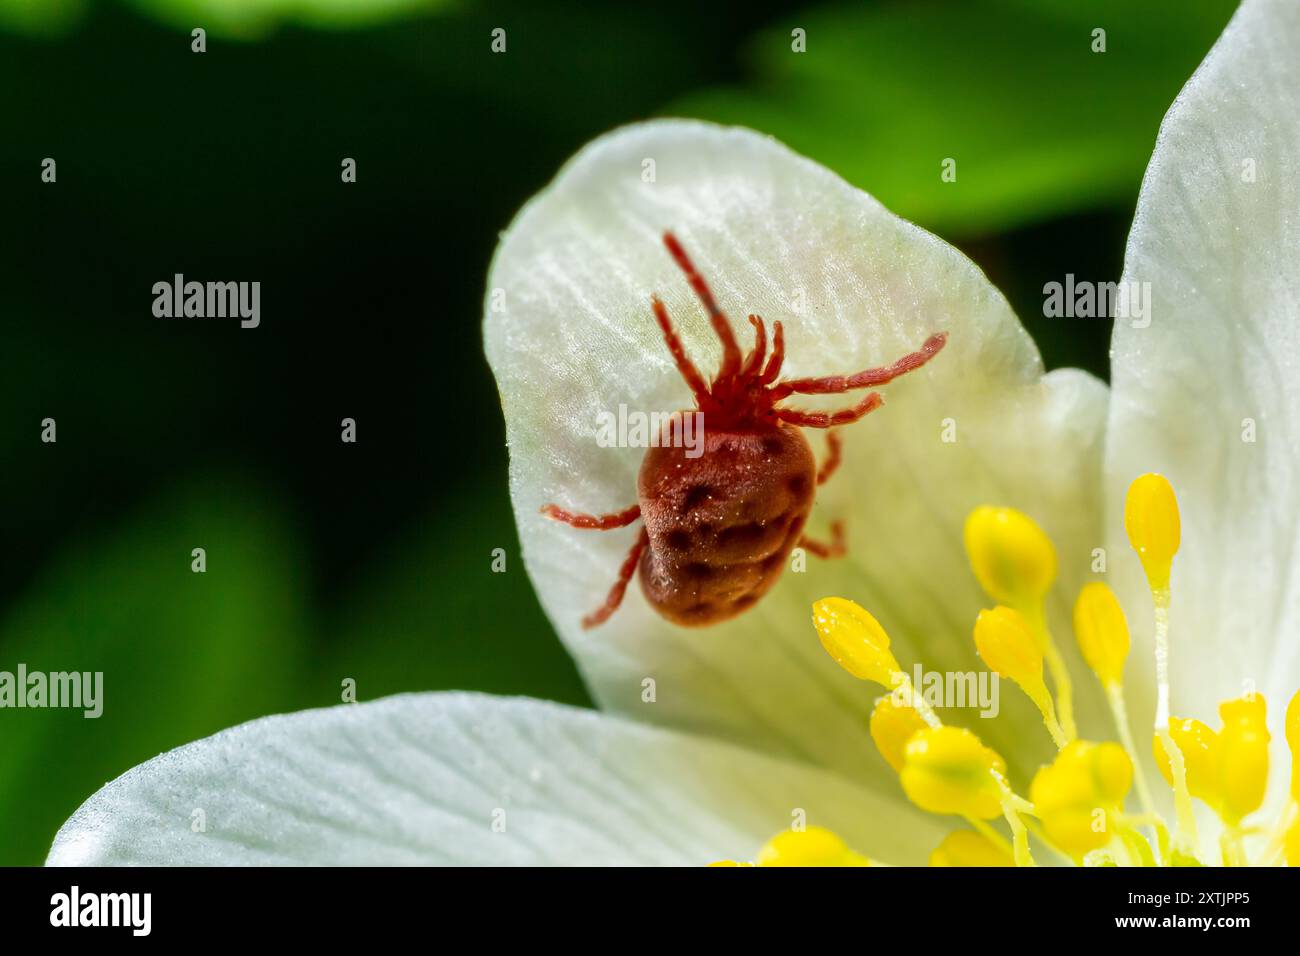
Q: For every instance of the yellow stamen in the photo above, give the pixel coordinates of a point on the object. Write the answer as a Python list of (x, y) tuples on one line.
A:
[(1056, 667), (1077, 809), (1243, 757), (1102, 632), (1154, 531), (948, 770), (1013, 559), (894, 722), (1185, 754), (1012, 807), (1004, 641), (855, 640), (1153, 526), (1119, 712), (967, 848), (1006, 644), (1198, 745), (1015, 563), (1079, 795), (892, 725), (815, 846)]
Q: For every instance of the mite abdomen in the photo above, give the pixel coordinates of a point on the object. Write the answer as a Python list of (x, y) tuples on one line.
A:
[(721, 525)]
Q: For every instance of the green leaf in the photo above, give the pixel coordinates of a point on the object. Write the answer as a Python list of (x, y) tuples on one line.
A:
[(1039, 125), (40, 17), (251, 19), (182, 654)]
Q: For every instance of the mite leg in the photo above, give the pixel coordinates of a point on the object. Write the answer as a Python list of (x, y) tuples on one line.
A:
[(699, 388), (773, 368), (830, 419), (619, 519), (832, 462), (615, 596), (867, 378), (755, 358), (730, 350), (836, 549)]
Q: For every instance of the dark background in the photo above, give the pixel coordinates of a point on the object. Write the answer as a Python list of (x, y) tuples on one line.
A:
[(371, 561)]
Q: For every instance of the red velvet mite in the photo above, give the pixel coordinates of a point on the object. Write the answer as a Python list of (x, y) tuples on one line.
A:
[(718, 527)]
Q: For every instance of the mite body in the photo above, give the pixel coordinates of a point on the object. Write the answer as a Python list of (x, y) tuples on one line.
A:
[(718, 527)]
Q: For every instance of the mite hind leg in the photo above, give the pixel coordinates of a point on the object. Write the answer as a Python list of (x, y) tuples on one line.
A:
[(618, 519), (833, 457), (837, 547), (615, 596)]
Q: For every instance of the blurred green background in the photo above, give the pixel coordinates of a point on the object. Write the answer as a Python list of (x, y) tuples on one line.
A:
[(372, 561)]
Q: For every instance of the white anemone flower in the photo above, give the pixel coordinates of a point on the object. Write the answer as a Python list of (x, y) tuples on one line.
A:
[(710, 740)]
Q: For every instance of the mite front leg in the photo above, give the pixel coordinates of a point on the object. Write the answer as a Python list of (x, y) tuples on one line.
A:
[(836, 549), (773, 367), (830, 419), (615, 597), (867, 378), (722, 328), (694, 380)]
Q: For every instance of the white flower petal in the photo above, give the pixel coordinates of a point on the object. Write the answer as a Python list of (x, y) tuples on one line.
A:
[(1222, 255), (569, 334), (417, 779)]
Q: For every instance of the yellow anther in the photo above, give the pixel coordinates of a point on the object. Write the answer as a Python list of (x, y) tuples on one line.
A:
[(1015, 562), (1293, 742), (1102, 632), (892, 725), (729, 863), (1200, 749), (1008, 646), (855, 640), (948, 770), (1011, 556), (1078, 795), (815, 846), (1151, 520), (1243, 756), (968, 848)]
